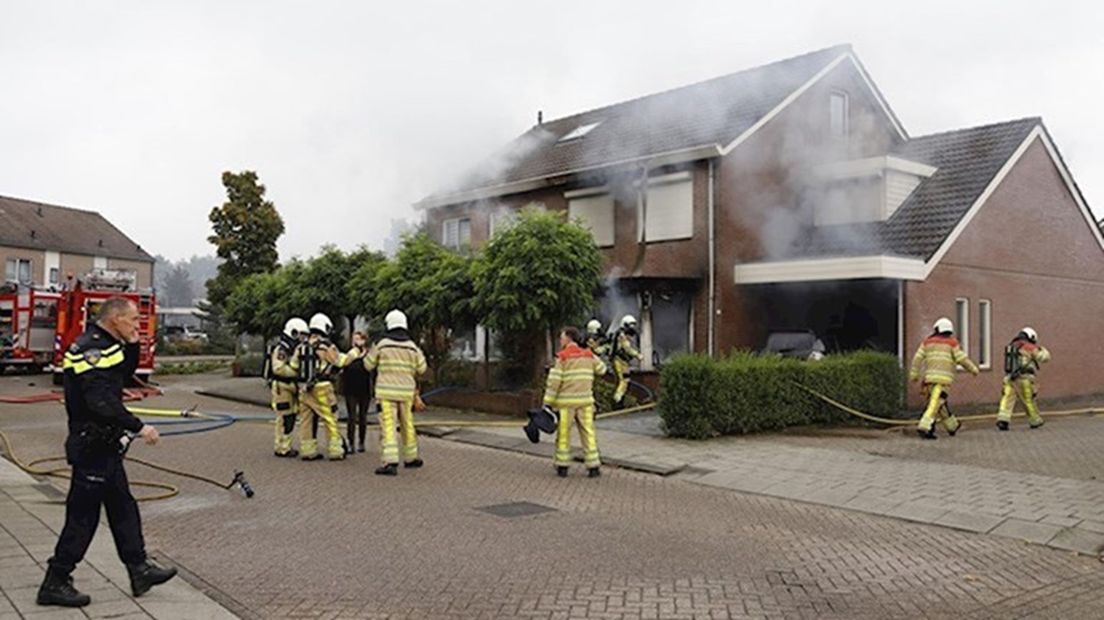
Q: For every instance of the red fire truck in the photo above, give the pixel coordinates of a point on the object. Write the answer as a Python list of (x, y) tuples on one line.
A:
[(28, 326), (78, 306)]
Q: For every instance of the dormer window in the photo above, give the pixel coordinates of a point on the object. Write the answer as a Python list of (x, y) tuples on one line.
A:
[(838, 113), (579, 132)]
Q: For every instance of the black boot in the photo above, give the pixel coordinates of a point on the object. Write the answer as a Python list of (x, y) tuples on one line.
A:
[(390, 469), (561, 471), (594, 472), (290, 454), (146, 575), (415, 464), (1002, 425), (57, 589), (928, 434)]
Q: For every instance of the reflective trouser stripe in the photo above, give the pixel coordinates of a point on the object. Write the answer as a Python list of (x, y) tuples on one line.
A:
[(320, 402), (584, 419), (1024, 389), (936, 411), (403, 411), (284, 403)]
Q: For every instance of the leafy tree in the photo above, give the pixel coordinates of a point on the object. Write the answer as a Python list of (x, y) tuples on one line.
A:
[(178, 287), (432, 286), (246, 228), (534, 277)]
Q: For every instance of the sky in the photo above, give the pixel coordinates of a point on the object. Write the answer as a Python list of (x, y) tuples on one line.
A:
[(352, 111)]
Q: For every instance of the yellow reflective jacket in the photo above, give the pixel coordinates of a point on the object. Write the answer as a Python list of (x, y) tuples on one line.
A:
[(398, 362), (571, 380), (939, 356)]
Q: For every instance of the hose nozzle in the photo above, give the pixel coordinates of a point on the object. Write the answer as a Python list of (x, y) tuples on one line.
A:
[(243, 484)]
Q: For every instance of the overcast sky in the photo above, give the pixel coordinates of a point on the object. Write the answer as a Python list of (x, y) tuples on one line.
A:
[(350, 111)]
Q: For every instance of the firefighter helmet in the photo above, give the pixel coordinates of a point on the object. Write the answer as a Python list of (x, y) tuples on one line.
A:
[(628, 321), (594, 327), (294, 327), (1030, 333), (944, 326), (396, 319), (321, 324)]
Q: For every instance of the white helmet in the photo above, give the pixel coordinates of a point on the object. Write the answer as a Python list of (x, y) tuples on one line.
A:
[(396, 320), (294, 327), (943, 325), (1030, 333), (321, 323), (628, 321), (594, 327)]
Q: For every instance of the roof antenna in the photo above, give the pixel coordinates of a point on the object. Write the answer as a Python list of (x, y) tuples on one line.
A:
[(540, 117)]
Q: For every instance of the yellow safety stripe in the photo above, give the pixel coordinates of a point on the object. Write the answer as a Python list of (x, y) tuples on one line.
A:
[(81, 365)]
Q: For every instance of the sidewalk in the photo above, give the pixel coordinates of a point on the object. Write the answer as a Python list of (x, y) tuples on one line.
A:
[(29, 524), (1064, 513)]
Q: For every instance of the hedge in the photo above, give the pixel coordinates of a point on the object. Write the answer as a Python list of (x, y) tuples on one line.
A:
[(744, 393)]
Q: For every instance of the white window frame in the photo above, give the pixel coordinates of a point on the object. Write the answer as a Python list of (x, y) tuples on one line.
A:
[(445, 232), (962, 320), (589, 193), (17, 264), (845, 127), (985, 330), (675, 178)]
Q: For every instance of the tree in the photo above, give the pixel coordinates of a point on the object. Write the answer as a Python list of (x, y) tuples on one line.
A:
[(327, 282), (432, 286), (246, 228), (178, 287), (536, 276)]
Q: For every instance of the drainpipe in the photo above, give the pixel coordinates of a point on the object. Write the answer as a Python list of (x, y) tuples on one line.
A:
[(712, 261), (901, 322)]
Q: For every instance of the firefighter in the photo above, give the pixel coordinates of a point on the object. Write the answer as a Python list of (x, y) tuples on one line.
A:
[(1022, 358), (596, 342), (623, 353), (321, 360), (399, 362), (940, 355), (570, 389), (283, 373)]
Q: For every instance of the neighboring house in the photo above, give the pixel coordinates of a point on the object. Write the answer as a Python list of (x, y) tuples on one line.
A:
[(42, 244), (790, 196)]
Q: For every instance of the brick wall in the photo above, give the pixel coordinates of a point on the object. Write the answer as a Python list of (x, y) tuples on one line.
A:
[(1031, 252)]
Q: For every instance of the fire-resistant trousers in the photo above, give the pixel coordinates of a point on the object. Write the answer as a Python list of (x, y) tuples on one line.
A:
[(389, 410), (584, 419)]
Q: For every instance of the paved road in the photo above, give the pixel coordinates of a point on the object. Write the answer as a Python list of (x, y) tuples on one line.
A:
[(331, 540)]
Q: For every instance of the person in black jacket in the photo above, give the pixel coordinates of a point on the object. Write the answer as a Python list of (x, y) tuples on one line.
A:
[(96, 368), (356, 385)]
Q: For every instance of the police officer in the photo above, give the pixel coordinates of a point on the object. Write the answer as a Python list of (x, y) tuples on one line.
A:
[(96, 368)]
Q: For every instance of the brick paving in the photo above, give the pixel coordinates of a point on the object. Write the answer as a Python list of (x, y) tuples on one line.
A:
[(331, 540)]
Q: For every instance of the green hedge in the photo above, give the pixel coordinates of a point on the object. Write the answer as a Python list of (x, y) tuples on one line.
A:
[(747, 393)]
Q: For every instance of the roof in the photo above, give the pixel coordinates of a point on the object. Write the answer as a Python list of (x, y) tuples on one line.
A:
[(709, 113), (967, 161), (40, 226)]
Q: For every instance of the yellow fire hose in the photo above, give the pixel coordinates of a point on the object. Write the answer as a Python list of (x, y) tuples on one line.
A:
[(968, 418)]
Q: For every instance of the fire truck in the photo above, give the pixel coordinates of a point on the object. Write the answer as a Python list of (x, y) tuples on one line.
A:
[(79, 306), (28, 326)]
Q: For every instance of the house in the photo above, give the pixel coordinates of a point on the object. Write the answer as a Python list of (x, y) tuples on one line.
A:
[(42, 244), (791, 196)]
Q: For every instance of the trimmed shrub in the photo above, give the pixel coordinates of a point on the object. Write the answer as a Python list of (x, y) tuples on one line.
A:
[(747, 393)]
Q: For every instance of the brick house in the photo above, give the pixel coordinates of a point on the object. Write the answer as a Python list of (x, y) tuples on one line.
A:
[(791, 196), (41, 244)]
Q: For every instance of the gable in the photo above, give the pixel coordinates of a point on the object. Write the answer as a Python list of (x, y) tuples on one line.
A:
[(1032, 222)]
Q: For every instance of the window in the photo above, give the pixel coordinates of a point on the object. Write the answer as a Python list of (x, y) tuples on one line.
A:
[(99, 262), (985, 333), (669, 213), (838, 114), (55, 275), (456, 233), (579, 132), (596, 213), (501, 220), (962, 322), (18, 270)]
